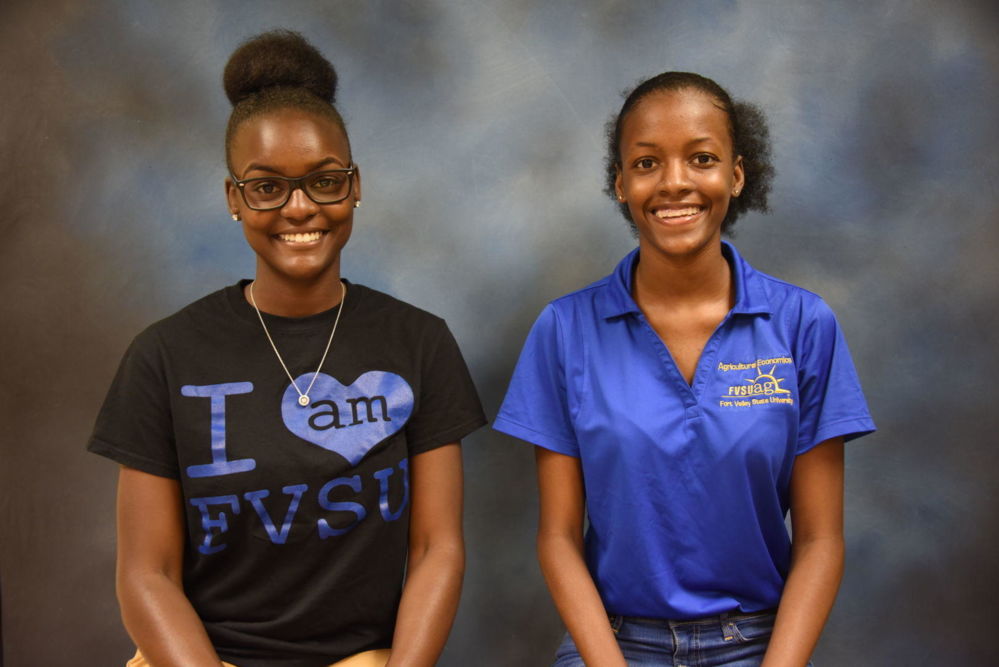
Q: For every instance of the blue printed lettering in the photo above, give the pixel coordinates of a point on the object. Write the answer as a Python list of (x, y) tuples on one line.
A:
[(215, 521), (383, 490), (354, 483), (220, 464), (256, 499), (220, 522)]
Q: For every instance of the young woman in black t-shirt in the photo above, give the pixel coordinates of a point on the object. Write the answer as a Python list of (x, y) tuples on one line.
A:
[(294, 188)]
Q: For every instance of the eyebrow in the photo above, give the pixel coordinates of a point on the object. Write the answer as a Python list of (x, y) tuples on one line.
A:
[(315, 167), (650, 144)]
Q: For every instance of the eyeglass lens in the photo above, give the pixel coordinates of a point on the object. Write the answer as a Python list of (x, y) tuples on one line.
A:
[(325, 187)]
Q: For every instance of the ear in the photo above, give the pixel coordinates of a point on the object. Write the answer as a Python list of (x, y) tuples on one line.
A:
[(618, 188), (739, 177), (232, 197), (357, 183)]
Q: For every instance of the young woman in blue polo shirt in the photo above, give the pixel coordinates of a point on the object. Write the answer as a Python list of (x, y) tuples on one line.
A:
[(684, 404)]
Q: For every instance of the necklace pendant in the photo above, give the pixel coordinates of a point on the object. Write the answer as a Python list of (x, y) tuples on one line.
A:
[(303, 399)]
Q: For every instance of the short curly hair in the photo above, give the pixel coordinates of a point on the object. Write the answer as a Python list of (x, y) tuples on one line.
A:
[(747, 126), (275, 70)]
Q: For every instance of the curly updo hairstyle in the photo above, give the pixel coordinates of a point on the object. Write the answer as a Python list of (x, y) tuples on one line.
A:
[(747, 128), (278, 70)]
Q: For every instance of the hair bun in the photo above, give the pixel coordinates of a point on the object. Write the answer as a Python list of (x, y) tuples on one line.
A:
[(279, 58)]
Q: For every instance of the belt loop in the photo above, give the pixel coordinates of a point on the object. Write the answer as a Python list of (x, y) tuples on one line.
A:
[(729, 630), (615, 622)]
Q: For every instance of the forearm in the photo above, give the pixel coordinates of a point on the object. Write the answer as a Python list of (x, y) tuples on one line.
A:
[(429, 604), (162, 623), (577, 600), (812, 583)]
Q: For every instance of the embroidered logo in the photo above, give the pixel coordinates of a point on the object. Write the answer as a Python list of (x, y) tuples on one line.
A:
[(763, 387)]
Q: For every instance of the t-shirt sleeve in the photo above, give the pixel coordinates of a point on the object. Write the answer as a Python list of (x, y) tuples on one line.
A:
[(831, 401), (449, 406), (536, 406), (134, 426)]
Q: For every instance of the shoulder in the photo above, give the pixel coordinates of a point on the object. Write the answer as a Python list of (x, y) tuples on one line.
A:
[(791, 303), (394, 322), (782, 291), (378, 304), (153, 354), (601, 300), (571, 319), (797, 315), (583, 302), (211, 310), (582, 296)]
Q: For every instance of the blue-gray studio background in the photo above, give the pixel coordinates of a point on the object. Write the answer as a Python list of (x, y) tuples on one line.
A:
[(479, 127)]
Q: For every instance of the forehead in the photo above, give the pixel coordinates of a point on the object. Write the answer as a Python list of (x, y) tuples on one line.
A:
[(676, 116), (288, 140)]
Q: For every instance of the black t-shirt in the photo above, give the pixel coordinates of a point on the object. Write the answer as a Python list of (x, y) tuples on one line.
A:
[(297, 517)]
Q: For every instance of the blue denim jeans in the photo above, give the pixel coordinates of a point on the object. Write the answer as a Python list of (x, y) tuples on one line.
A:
[(732, 640)]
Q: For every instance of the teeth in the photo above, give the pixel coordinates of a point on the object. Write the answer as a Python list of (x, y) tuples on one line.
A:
[(300, 238), (677, 212)]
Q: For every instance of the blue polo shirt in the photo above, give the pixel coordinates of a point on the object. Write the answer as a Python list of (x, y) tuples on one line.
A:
[(687, 487)]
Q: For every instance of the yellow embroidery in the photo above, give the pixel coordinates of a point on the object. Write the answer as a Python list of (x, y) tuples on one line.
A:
[(762, 389)]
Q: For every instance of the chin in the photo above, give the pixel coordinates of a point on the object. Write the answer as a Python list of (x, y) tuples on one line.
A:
[(692, 242), (307, 273)]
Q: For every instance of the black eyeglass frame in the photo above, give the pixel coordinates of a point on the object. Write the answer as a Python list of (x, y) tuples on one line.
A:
[(295, 183)]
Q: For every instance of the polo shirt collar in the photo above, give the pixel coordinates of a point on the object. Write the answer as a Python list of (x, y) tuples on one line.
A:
[(751, 297), (750, 290), (615, 299)]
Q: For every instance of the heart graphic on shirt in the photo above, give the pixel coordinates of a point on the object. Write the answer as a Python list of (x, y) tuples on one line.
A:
[(348, 419)]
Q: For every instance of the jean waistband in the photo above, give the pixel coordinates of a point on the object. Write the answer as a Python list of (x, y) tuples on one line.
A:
[(617, 619)]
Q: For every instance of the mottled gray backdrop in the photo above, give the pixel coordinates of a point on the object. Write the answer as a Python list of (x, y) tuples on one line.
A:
[(479, 129)]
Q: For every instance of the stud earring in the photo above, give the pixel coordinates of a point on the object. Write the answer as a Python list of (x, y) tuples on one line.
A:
[(357, 203), (235, 216)]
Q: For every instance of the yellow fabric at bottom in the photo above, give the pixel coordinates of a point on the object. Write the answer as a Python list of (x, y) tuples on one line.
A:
[(376, 658), (139, 660)]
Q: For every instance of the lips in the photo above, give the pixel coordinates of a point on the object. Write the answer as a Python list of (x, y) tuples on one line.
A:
[(677, 212), (301, 237)]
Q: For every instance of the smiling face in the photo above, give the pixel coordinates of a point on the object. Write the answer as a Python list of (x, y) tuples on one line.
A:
[(301, 241), (677, 171)]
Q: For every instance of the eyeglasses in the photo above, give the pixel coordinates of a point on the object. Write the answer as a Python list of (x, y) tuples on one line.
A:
[(326, 186)]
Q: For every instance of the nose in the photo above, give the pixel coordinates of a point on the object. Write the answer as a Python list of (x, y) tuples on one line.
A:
[(674, 177), (299, 206)]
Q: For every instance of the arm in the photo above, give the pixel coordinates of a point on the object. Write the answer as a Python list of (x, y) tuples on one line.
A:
[(560, 552), (436, 558), (156, 613), (816, 554)]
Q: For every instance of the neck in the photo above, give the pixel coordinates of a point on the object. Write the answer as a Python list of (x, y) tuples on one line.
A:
[(691, 279), (295, 299)]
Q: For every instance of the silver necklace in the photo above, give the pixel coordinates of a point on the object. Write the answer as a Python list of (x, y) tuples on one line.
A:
[(303, 397)]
